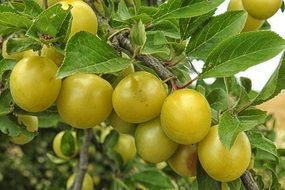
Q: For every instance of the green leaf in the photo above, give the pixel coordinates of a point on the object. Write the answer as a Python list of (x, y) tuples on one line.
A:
[(181, 71), (153, 179), (156, 44), (87, 53), (137, 5), (50, 23), (68, 144), (231, 125), (215, 31), (167, 27), (188, 26), (32, 8), (6, 8), (274, 181), (55, 159), (46, 121), (173, 9), (205, 182), (13, 22), (22, 44), (138, 34), (10, 127), (258, 141), (149, 10), (274, 85), (123, 11), (218, 99), (111, 140), (241, 52), (6, 105), (6, 65), (234, 185), (246, 83), (50, 111)]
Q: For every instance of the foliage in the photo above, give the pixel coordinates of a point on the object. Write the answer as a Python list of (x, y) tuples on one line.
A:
[(177, 32)]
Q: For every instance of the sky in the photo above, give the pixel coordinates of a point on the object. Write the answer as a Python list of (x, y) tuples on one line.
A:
[(260, 74)]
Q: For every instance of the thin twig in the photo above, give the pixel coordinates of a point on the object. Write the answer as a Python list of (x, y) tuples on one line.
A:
[(83, 161), (188, 83), (248, 181)]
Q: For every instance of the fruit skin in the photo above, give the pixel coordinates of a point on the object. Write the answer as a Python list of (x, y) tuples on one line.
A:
[(85, 100), (138, 97), (184, 160), (84, 18), (31, 124), (120, 125), (152, 143), (57, 143), (251, 23), (261, 9), (15, 56), (220, 163), (33, 83), (126, 147), (87, 182), (186, 116), (48, 52), (51, 53)]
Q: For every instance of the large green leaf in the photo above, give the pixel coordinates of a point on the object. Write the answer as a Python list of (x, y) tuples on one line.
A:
[(50, 23), (173, 9), (258, 141), (216, 30), (241, 52), (188, 26), (11, 22), (87, 53), (231, 125), (274, 85)]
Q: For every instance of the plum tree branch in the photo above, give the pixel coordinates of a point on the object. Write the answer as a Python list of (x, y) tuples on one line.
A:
[(248, 181), (83, 161)]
